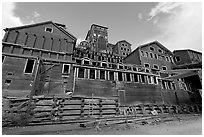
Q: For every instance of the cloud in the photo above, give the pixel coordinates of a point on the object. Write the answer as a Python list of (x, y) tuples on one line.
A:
[(140, 16), (8, 17), (181, 27), (36, 14)]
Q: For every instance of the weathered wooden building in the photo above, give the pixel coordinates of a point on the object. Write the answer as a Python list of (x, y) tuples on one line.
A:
[(42, 58)]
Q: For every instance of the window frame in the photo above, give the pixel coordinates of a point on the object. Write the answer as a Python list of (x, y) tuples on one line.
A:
[(143, 82), (84, 72), (152, 48), (90, 74), (147, 64), (138, 80), (164, 67), (32, 67), (157, 66), (49, 28), (68, 70), (100, 74)]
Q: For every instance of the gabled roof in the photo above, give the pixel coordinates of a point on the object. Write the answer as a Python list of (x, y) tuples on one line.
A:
[(123, 41), (43, 23), (148, 44), (99, 26)]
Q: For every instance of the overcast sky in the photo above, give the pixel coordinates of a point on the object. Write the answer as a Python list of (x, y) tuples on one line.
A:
[(175, 25)]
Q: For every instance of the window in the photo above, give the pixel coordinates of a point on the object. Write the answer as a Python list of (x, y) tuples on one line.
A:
[(151, 48), (66, 68), (120, 67), (149, 79), (134, 69), (7, 82), (142, 53), (29, 66), (128, 76), (173, 86), (120, 76), (147, 70), (86, 62), (155, 80), (10, 73), (142, 78), (102, 74), (159, 50), (146, 65), (104, 65), (81, 73), (151, 55), (164, 68), (92, 74), (163, 84), (99, 58), (136, 78), (167, 58), (178, 58), (111, 75), (155, 66), (78, 61), (169, 85), (124, 54), (48, 29), (147, 54), (121, 48), (155, 56), (3, 57)]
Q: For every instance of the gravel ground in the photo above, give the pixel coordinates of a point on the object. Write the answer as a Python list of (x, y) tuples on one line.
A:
[(179, 125)]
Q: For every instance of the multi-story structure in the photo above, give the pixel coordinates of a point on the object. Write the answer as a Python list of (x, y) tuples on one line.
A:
[(187, 59), (153, 56), (97, 36), (37, 56), (122, 48), (43, 58)]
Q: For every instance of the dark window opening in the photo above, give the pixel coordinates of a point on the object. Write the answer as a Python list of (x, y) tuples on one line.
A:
[(120, 67), (66, 68), (7, 82), (125, 67), (155, 56), (159, 50), (136, 78), (147, 70), (143, 78), (99, 58), (10, 73), (120, 76), (102, 74), (86, 62), (114, 66), (104, 65), (151, 48), (149, 79), (3, 57), (142, 53), (134, 69), (178, 59), (155, 80), (49, 30), (95, 64), (164, 68), (29, 66), (78, 61), (151, 55), (81, 73), (146, 65), (147, 54), (92, 57), (163, 85), (111, 75), (173, 86), (92, 73), (155, 66), (128, 76)]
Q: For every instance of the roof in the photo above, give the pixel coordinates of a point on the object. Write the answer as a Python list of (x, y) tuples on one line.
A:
[(187, 50), (147, 44), (99, 26), (123, 41), (42, 23)]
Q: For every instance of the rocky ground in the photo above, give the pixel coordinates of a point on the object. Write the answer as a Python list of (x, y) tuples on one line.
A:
[(185, 124)]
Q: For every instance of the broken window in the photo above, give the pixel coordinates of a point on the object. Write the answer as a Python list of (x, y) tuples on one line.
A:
[(66, 68), (128, 76), (120, 76), (29, 66), (48, 29), (143, 78), (164, 68), (7, 82), (136, 78), (111, 75), (92, 74), (86, 62), (81, 73), (146, 65), (78, 61), (102, 74)]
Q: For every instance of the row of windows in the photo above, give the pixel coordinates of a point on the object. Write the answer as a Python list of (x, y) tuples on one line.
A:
[(155, 56), (120, 76), (168, 85), (125, 49), (153, 49), (147, 65)]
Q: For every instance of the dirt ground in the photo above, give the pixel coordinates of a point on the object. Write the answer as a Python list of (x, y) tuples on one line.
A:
[(181, 125)]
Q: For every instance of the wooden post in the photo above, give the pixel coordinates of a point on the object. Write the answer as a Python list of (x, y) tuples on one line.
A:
[(82, 107), (100, 107)]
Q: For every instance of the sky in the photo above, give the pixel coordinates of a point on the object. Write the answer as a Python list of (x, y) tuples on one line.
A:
[(175, 25)]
